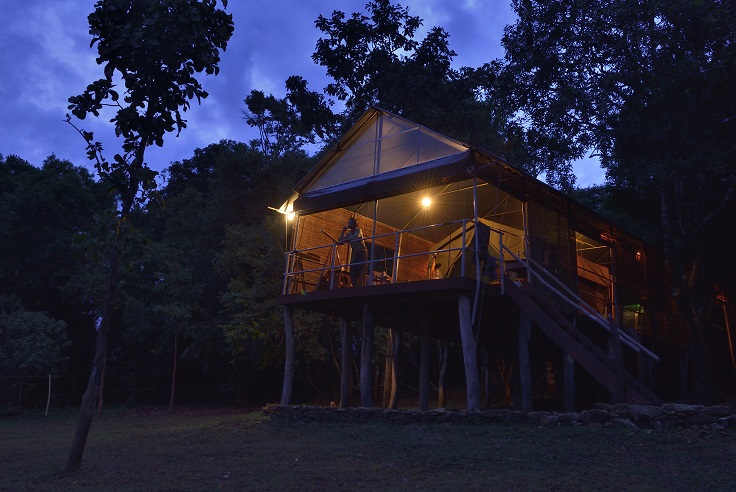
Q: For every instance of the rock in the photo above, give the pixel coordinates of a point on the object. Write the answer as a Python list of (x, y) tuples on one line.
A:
[(721, 410), (702, 419), (619, 422), (683, 408), (645, 410)]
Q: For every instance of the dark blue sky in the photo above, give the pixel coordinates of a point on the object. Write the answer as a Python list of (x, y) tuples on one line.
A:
[(45, 55)]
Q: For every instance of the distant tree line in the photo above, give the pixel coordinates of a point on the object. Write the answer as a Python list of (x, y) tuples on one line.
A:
[(646, 86)]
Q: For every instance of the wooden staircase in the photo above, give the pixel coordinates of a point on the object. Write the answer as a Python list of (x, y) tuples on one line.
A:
[(584, 351)]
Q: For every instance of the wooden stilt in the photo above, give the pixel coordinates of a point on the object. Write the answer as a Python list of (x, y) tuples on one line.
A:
[(618, 357), (286, 389), (366, 358), (347, 351), (472, 382), (568, 382), (525, 373), (424, 366), (444, 348)]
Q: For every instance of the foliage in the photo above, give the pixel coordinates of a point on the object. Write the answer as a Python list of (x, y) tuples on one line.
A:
[(645, 85), (32, 342), (156, 48), (300, 119)]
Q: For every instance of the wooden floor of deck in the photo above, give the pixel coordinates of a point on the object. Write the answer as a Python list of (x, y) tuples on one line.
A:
[(408, 306)]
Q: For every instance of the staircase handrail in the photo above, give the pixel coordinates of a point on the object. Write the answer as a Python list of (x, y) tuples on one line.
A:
[(586, 308)]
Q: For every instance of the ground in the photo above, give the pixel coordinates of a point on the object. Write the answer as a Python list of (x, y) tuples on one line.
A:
[(241, 449)]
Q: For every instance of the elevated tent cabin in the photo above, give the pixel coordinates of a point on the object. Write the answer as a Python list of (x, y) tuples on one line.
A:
[(463, 247)]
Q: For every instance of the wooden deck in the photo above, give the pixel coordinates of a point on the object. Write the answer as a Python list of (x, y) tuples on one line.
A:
[(408, 306)]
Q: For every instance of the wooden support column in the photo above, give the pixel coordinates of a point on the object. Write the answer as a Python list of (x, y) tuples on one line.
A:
[(444, 348), (525, 373), (424, 367), (366, 358), (289, 359), (568, 376), (395, 349), (618, 357), (472, 383), (347, 351)]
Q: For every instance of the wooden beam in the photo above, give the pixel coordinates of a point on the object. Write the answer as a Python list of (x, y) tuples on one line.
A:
[(286, 389), (472, 383), (366, 358)]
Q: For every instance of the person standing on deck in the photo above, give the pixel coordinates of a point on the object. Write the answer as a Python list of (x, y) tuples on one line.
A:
[(352, 234)]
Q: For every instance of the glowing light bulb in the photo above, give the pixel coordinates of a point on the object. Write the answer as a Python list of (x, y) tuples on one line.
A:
[(426, 202)]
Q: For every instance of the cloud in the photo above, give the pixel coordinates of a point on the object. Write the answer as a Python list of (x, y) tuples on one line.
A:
[(45, 55)]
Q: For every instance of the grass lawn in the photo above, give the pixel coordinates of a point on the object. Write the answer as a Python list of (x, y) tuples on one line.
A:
[(227, 449)]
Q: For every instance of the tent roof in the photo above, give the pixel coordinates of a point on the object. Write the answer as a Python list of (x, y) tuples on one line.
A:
[(385, 155)]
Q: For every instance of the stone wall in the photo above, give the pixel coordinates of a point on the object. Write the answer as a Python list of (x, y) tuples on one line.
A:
[(623, 415)]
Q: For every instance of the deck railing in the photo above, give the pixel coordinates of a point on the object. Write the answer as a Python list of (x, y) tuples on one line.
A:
[(321, 268)]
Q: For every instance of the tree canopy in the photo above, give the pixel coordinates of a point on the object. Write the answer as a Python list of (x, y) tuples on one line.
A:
[(647, 87)]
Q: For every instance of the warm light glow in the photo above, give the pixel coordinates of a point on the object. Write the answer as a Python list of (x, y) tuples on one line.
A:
[(426, 202), (290, 215)]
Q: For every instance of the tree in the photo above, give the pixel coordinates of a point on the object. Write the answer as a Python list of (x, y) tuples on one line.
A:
[(156, 48), (302, 118), (376, 59), (31, 343), (647, 87)]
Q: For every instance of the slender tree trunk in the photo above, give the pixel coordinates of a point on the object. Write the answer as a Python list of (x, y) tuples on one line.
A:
[(173, 370), (347, 351), (95, 378), (395, 347), (366, 356), (101, 397), (387, 369), (424, 367)]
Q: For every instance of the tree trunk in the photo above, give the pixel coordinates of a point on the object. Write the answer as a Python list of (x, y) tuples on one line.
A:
[(89, 398), (101, 396), (173, 370), (346, 340), (395, 348), (366, 356), (424, 367), (387, 369)]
